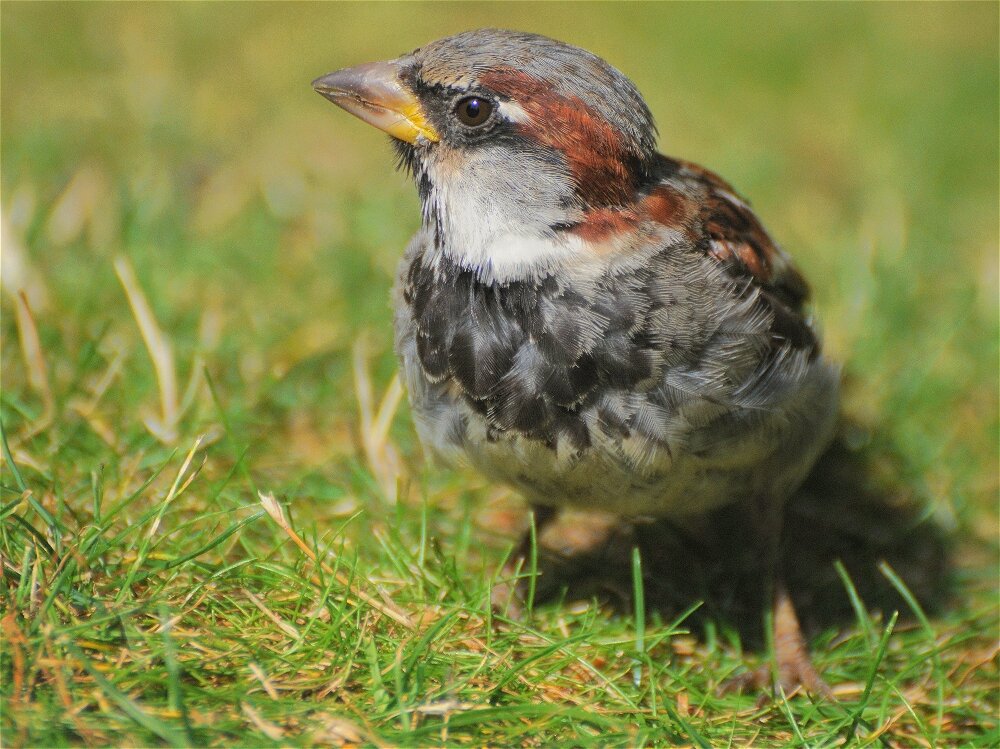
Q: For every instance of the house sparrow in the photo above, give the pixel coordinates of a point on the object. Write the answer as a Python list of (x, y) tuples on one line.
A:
[(584, 319)]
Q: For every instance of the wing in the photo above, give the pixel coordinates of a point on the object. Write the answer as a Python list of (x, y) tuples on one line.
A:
[(736, 238)]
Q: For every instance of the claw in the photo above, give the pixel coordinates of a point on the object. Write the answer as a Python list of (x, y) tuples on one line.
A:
[(795, 670)]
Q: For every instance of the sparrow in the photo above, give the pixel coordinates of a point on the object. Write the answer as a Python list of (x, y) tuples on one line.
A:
[(586, 320)]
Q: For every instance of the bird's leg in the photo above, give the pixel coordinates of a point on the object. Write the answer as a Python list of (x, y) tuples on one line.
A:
[(508, 593), (791, 655), (795, 667), (792, 663)]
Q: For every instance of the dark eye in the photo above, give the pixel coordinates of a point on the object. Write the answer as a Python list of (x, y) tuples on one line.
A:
[(473, 110)]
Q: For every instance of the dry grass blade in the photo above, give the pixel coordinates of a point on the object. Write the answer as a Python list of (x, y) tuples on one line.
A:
[(161, 354), (87, 409), (285, 627), (176, 489), (386, 412), (272, 730), (264, 680), (81, 205), (55, 666), (387, 608), (382, 457), (336, 731), (16, 641), (34, 360), (209, 333), (18, 275)]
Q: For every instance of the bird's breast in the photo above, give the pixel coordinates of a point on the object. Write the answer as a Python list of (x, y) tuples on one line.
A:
[(532, 356), (654, 386)]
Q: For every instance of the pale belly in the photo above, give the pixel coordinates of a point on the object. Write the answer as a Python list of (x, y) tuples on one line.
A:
[(690, 460)]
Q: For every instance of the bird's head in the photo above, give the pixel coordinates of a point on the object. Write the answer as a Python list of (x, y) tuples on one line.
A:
[(513, 138)]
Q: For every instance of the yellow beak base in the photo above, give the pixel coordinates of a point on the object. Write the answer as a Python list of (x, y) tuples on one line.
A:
[(374, 93)]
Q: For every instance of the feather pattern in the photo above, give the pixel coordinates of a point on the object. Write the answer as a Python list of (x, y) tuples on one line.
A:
[(585, 319), (566, 384)]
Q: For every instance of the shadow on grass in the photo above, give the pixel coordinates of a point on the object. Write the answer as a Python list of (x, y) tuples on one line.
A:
[(854, 507)]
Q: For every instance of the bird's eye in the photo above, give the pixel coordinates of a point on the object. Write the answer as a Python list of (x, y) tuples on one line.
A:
[(473, 110)]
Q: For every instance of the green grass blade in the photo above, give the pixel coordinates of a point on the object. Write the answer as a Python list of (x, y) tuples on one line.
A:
[(918, 611), (151, 723), (18, 478), (870, 682), (860, 612), (639, 615)]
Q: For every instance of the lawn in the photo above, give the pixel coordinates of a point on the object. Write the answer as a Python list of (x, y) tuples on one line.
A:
[(216, 525)]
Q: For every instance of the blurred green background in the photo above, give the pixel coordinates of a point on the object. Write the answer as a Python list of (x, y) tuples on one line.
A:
[(264, 227)]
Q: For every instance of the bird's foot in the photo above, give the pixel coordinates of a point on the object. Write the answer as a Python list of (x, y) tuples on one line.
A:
[(791, 677), (793, 670)]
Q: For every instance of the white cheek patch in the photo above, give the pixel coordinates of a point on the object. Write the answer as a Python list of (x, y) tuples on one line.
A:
[(483, 234), (486, 225)]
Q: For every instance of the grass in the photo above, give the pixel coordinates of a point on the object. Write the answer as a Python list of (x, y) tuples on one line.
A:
[(216, 527)]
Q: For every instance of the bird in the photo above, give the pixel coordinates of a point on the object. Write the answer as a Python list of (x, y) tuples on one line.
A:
[(579, 317)]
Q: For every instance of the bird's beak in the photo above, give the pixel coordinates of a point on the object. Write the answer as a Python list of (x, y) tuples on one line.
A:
[(374, 93)]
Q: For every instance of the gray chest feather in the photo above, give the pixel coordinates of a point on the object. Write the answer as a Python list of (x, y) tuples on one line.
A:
[(566, 389), (531, 356)]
